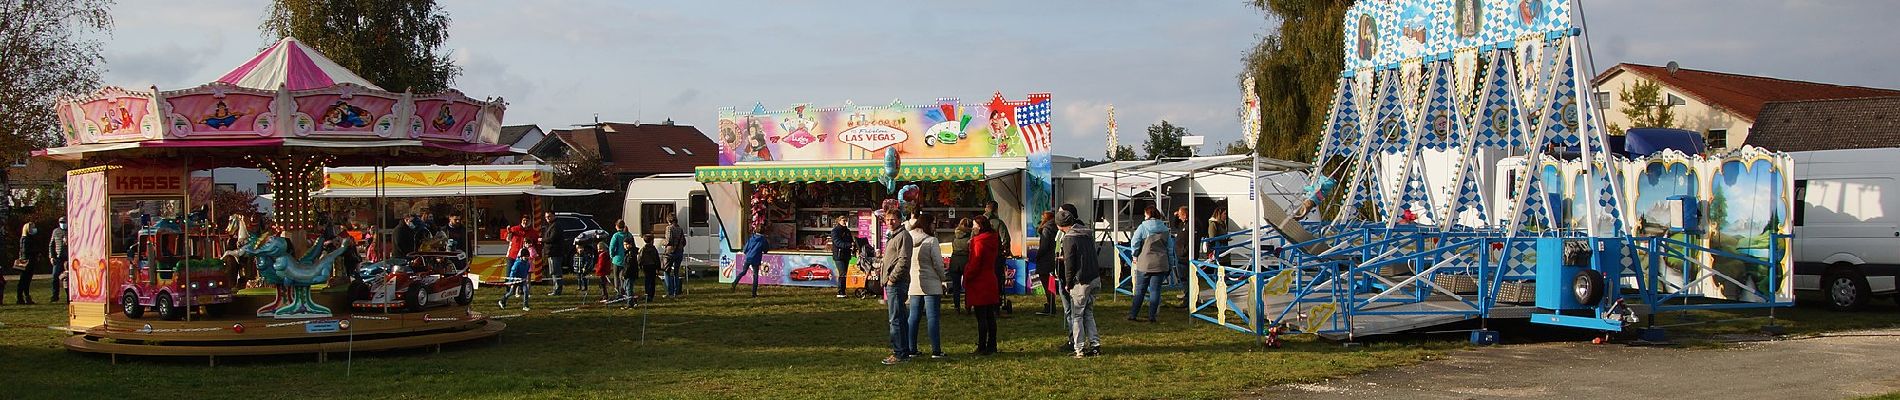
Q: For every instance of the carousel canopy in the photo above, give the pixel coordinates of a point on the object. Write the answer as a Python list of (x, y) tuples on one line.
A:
[(291, 65), (287, 99)]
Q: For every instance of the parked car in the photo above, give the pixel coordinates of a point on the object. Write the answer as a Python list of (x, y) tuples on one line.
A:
[(813, 272), (162, 275), (413, 283)]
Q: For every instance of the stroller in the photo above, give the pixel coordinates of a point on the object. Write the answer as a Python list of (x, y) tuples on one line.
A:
[(867, 261)]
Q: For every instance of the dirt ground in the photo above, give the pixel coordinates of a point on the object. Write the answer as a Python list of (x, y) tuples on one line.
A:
[(1834, 366)]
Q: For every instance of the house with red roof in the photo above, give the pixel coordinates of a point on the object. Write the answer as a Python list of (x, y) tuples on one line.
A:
[(630, 151), (1723, 106)]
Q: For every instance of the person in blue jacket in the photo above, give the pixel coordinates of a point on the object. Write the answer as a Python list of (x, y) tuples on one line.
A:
[(1154, 254), (755, 248)]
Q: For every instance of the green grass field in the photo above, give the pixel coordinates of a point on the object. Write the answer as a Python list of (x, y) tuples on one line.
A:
[(794, 343), (790, 342)]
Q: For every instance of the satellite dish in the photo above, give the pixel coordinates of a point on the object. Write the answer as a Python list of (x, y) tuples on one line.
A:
[(1673, 67)]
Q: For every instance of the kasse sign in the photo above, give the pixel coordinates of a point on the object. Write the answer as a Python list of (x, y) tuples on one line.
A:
[(873, 137)]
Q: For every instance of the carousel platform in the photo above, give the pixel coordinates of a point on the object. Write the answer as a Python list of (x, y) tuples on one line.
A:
[(245, 335)]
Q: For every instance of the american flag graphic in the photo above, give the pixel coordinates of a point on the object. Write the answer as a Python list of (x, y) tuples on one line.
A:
[(1033, 121)]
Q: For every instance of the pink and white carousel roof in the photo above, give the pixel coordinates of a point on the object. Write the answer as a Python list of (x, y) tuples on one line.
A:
[(291, 65), (288, 96)]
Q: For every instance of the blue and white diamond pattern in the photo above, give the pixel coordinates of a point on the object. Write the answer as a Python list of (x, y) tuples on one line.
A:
[(1342, 131), (1441, 130), (1406, 29), (1497, 127), (1561, 108), (1389, 135)]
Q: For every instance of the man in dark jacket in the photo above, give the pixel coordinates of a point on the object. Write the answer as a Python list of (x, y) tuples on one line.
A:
[(1080, 276), (841, 240), (56, 248), (675, 255), (1048, 237), (559, 252)]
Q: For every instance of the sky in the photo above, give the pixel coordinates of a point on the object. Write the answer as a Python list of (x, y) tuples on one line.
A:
[(561, 62)]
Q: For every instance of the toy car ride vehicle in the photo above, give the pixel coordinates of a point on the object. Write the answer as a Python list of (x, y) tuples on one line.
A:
[(162, 275), (422, 280)]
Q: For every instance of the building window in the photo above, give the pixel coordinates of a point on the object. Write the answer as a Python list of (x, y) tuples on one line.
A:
[(1603, 100), (1717, 139), (226, 187), (688, 151), (263, 188), (669, 151)]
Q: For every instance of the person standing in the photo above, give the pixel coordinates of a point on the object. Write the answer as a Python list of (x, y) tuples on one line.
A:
[(1047, 235), (841, 240), (23, 294), (1179, 227), (520, 276), (675, 256), (56, 248), (630, 271), (960, 259), (1081, 274), (650, 263), (894, 268), (558, 254), (1002, 233), (603, 268), (621, 251), (755, 248), (1154, 252), (927, 281), (1216, 227), (979, 284), (521, 256)]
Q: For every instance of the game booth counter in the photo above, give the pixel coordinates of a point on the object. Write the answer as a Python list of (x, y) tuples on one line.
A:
[(154, 267), (794, 171), (492, 196)]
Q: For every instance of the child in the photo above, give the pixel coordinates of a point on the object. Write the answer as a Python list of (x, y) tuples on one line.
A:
[(603, 268), (520, 276), (630, 268), (650, 264)]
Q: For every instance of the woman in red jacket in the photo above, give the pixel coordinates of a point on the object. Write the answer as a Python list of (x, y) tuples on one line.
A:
[(980, 286)]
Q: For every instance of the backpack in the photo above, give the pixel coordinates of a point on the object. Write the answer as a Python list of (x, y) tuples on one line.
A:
[(1152, 256)]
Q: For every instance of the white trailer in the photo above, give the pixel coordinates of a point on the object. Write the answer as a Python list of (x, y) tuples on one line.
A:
[(651, 199), (1847, 227)]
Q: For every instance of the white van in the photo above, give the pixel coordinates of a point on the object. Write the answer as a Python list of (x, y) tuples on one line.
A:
[(1846, 227), (651, 199)]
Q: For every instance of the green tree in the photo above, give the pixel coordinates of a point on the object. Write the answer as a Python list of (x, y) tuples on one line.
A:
[(1122, 153), (1236, 147), (394, 44), (1295, 71), (582, 169), (1643, 104), (48, 49), (1164, 140)]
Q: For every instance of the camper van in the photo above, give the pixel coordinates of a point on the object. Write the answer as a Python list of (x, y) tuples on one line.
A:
[(651, 199), (1846, 227)]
